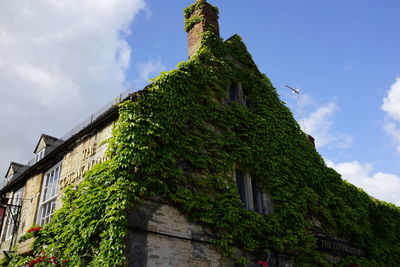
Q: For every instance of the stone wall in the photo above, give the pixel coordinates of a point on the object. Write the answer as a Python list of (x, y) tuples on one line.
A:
[(81, 158), (160, 235)]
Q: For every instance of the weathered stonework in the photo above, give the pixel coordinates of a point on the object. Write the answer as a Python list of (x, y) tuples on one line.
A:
[(82, 158), (75, 163), (160, 235), (209, 22)]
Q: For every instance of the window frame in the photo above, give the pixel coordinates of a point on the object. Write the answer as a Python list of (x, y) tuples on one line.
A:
[(7, 179), (244, 188), (39, 155), (252, 194), (10, 226), (48, 195), (236, 94)]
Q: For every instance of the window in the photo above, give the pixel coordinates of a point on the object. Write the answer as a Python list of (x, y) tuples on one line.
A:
[(7, 180), (12, 214), (251, 194), (235, 94), (49, 194), (39, 155)]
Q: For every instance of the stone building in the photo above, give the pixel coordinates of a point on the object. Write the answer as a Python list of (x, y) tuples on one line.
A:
[(227, 175)]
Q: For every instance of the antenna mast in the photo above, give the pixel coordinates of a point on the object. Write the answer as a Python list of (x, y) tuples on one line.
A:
[(297, 92)]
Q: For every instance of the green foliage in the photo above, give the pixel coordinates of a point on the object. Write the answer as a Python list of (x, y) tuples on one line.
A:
[(190, 22), (190, 18), (181, 140), (34, 231), (187, 12)]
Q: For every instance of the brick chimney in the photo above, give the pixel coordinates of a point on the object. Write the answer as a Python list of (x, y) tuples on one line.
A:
[(204, 17), (312, 139)]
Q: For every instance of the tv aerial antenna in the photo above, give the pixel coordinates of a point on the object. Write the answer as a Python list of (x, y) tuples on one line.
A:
[(297, 92)]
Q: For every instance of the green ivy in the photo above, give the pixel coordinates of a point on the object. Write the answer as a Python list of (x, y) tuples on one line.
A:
[(180, 140), (191, 19), (190, 22), (187, 12)]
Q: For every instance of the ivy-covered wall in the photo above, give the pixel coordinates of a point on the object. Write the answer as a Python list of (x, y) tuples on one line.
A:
[(181, 140)]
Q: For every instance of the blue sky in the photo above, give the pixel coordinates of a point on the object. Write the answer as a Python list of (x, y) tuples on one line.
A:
[(341, 54)]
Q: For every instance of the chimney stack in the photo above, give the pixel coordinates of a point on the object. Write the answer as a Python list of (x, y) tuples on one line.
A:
[(199, 18), (312, 139)]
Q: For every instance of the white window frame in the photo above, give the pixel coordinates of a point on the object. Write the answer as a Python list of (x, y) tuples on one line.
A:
[(49, 194), (7, 179), (39, 155), (265, 205), (10, 225)]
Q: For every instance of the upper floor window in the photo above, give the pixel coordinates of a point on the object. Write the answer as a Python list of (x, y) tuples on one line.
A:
[(7, 179), (12, 215), (251, 193), (235, 94), (14, 170), (39, 155), (49, 194)]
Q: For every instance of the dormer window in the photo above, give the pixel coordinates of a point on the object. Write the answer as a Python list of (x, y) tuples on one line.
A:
[(235, 94), (251, 193), (7, 179), (39, 155), (13, 172), (45, 145)]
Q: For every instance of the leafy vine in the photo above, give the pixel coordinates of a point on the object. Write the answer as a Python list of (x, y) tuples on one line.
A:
[(181, 140)]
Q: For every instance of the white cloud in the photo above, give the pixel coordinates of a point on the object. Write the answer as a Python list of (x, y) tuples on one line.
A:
[(391, 105), (319, 125), (391, 129), (149, 69), (59, 61), (384, 186)]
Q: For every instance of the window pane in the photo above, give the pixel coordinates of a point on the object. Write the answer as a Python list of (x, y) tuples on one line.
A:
[(241, 186), (52, 177), (268, 203), (53, 206), (49, 192), (45, 194), (57, 173), (258, 198), (46, 180), (52, 192), (46, 210), (233, 92)]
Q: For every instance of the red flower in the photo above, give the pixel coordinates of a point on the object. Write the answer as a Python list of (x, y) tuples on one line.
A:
[(35, 229), (64, 261)]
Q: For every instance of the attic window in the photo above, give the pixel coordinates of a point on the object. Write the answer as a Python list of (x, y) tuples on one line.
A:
[(7, 180), (235, 94), (39, 155), (251, 193)]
